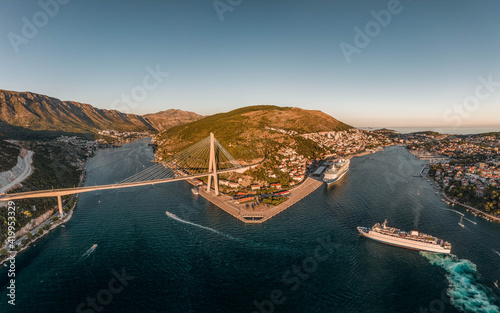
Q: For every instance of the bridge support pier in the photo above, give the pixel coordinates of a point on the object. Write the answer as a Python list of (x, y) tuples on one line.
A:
[(59, 203), (212, 166)]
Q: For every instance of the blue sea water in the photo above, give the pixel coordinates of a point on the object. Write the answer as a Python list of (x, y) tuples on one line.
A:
[(307, 259)]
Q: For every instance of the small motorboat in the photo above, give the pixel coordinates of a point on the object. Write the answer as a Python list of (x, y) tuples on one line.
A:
[(461, 223), (172, 215)]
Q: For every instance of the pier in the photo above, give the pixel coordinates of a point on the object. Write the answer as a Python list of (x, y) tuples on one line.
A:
[(225, 203)]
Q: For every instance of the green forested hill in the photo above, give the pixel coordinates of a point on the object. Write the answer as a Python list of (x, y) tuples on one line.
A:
[(246, 132)]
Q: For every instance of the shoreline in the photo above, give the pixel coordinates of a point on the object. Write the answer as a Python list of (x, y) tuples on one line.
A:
[(486, 216), (482, 214), (224, 202), (301, 191), (55, 224), (61, 221)]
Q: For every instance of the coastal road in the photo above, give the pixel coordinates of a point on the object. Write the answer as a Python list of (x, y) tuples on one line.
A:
[(28, 160)]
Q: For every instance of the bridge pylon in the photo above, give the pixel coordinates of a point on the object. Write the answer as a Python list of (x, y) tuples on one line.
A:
[(59, 205), (212, 166)]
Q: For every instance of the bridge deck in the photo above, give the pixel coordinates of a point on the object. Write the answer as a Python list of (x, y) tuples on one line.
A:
[(70, 191)]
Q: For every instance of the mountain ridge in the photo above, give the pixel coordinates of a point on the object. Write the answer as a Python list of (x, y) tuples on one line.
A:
[(37, 112)]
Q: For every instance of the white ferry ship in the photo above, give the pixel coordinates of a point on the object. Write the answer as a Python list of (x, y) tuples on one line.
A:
[(336, 171), (413, 240)]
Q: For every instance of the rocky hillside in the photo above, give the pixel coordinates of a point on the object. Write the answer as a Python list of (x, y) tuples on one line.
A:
[(27, 112), (170, 118), (251, 132)]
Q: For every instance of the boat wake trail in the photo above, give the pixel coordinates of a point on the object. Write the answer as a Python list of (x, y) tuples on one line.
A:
[(175, 217), (464, 290), (470, 221), (243, 241), (462, 215), (89, 252), (496, 252), (455, 211)]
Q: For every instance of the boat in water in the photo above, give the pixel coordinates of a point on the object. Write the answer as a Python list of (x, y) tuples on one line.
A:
[(414, 240), (170, 214), (461, 223), (195, 191), (336, 171)]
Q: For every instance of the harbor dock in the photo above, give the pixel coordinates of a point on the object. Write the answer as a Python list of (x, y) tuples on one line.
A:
[(227, 204)]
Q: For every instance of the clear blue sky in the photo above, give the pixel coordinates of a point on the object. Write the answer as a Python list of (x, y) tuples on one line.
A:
[(417, 71)]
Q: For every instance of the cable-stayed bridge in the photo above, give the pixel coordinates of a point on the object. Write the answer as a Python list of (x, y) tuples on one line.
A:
[(205, 158)]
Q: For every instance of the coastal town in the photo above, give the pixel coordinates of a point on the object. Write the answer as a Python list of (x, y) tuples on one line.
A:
[(115, 138), (467, 168), (277, 179), (250, 156)]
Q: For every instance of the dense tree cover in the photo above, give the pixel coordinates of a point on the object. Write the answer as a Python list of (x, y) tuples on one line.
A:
[(8, 155), (308, 147), (54, 167), (261, 174), (467, 194)]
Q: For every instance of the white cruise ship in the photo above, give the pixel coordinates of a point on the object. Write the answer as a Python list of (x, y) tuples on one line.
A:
[(336, 171), (413, 240)]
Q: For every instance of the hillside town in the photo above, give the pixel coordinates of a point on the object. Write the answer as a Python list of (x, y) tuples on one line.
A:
[(110, 136), (466, 167), (90, 146), (287, 168), (348, 142)]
